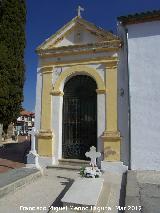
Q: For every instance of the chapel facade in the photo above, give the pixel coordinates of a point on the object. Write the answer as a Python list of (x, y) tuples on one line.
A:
[(77, 93), (98, 89)]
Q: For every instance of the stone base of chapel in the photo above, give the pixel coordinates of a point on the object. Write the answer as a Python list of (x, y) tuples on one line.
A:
[(115, 167), (46, 161)]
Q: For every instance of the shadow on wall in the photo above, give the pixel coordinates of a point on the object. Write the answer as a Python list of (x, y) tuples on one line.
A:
[(144, 30)]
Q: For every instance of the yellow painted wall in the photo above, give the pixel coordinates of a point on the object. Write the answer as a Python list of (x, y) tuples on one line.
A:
[(46, 101), (111, 102), (112, 150), (45, 139), (111, 136), (45, 147)]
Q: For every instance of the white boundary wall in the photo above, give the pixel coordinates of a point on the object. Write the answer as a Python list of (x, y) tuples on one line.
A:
[(144, 84)]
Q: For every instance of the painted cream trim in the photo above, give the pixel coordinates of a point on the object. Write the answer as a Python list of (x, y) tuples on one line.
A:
[(56, 93), (101, 91), (78, 52), (47, 69), (78, 69), (111, 64), (105, 60)]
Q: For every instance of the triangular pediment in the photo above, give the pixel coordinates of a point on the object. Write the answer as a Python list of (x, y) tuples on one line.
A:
[(77, 32)]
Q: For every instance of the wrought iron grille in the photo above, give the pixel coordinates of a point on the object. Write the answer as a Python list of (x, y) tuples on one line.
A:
[(79, 117)]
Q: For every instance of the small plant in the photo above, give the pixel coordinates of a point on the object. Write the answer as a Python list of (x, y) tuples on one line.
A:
[(82, 171)]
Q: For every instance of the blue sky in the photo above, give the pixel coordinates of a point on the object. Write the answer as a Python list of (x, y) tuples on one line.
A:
[(45, 17)]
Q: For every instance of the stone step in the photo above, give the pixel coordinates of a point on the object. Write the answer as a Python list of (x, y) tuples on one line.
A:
[(68, 167), (73, 162)]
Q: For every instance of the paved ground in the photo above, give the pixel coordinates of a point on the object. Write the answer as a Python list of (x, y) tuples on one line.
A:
[(143, 192), (12, 155), (143, 188), (49, 189), (46, 191), (14, 175), (16, 178)]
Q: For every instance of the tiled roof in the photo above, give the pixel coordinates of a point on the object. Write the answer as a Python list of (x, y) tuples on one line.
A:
[(26, 113), (140, 17)]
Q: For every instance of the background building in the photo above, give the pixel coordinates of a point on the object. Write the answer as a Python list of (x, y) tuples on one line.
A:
[(24, 123)]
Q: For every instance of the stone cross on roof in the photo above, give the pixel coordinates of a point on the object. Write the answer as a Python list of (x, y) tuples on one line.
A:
[(93, 155), (79, 9)]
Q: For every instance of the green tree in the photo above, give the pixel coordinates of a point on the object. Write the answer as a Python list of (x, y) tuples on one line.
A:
[(12, 71)]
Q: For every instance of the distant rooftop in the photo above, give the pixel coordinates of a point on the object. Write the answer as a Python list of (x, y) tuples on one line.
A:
[(140, 17), (26, 113)]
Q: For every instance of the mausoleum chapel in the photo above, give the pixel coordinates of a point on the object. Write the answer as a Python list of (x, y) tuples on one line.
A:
[(77, 93), (78, 98)]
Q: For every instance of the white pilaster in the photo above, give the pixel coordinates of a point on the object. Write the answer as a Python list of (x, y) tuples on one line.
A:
[(38, 100), (100, 121), (57, 105)]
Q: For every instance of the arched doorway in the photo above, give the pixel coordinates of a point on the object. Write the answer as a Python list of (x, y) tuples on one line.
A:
[(79, 117)]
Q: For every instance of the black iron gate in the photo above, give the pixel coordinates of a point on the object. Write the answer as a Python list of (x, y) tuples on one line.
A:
[(79, 117)]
